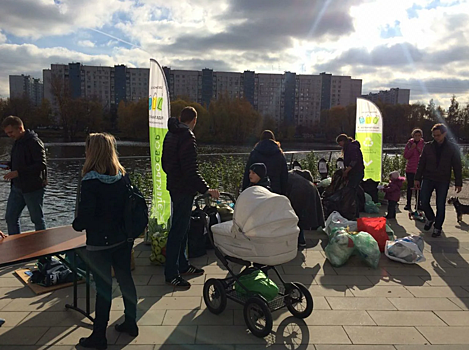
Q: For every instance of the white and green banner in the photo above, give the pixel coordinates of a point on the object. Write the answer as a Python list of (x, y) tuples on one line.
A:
[(159, 112), (369, 132)]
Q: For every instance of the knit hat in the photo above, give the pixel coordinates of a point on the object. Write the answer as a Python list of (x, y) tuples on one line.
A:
[(394, 175), (260, 169)]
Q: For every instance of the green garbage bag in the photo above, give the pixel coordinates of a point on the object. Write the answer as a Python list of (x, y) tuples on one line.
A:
[(340, 248), (366, 248), (257, 282), (371, 207)]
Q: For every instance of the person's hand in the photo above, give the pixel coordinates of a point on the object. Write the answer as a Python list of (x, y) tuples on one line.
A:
[(11, 175), (414, 145), (346, 171), (2, 235), (214, 193), (458, 189), (417, 184)]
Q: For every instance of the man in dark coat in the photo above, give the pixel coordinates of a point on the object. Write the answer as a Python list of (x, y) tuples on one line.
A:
[(268, 151), (306, 202), (28, 175), (183, 182), (436, 161)]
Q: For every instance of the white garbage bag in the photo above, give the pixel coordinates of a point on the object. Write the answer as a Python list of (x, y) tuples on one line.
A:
[(407, 250), (335, 220)]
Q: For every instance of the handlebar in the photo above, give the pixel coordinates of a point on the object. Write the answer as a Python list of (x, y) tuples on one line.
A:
[(224, 196)]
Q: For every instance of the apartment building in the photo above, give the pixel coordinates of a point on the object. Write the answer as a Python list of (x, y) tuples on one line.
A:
[(109, 85), (26, 86), (392, 96)]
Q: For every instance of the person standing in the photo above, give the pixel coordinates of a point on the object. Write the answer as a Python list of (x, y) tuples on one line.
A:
[(184, 180), (353, 161), (412, 152), (101, 214), (269, 152), (28, 176), (434, 173)]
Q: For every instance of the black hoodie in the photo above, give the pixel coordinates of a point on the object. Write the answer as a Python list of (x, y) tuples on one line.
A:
[(180, 160), (269, 153), (28, 157)]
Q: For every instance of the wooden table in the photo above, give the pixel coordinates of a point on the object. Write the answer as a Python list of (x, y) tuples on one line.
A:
[(50, 242)]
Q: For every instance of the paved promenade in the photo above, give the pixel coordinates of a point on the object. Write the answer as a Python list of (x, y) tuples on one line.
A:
[(395, 307)]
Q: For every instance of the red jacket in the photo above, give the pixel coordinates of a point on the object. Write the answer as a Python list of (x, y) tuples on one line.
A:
[(413, 155), (393, 189)]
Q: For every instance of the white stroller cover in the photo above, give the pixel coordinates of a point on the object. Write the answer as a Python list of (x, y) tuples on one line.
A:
[(264, 229)]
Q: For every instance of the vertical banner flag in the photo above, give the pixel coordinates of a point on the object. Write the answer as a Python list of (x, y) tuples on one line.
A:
[(159, 111), (369, 132)]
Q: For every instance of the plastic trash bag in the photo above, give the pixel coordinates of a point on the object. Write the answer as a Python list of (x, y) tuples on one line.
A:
[(335, 220), (367, 248), (325, 183), (340, 247), (407, 250), (343, 244), (342, 200)]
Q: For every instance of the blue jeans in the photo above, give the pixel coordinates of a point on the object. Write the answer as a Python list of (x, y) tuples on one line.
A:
[(176, 257), (17, 200), (426, 192)]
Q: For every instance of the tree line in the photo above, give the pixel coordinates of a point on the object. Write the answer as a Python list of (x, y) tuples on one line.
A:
[(227, 120)]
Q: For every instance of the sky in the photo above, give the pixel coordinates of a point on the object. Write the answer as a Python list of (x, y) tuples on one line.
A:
[(421, 45)]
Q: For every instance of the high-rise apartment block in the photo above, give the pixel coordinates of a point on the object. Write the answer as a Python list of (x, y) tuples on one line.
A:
[(26, 86), (109, 85), (288, 98), (393, 96)]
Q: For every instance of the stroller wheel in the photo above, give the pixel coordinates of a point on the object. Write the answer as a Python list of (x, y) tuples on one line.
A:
[(258, 317), (215, 296), (298, 300)]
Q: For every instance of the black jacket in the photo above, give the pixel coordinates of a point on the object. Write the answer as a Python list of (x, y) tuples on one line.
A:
[(101, 209), (353, 157), (437, 167), (305, 200), (28, 157), (180, 160), (268, 152)]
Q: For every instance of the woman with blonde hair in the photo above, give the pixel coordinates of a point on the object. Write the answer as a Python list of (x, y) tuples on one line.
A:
[(101, 214)]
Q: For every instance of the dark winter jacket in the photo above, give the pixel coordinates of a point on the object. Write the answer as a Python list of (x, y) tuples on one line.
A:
[(269, 153), (180, 160), (28, 157), (305, 200), (436, 166), (353, 157), (101, 209), (393, 189), (413, 155)]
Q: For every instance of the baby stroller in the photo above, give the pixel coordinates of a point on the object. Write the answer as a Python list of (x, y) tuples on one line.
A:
[(417, 214), (263, 233)]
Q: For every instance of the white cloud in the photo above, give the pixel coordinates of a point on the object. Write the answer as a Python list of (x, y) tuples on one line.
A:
[(3, 37), (86, 43)]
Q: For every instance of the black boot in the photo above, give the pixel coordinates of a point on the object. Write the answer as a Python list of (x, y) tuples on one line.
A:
[(129, 327), (94, 341)]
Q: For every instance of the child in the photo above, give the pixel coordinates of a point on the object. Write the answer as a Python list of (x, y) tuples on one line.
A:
[(393, 193), (258, 175)]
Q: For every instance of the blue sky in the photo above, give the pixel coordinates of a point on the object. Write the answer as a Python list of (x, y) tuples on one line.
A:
[(420, 44)]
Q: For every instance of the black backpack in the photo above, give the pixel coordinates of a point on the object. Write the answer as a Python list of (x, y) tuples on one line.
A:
[(135, 211), (197, 235)]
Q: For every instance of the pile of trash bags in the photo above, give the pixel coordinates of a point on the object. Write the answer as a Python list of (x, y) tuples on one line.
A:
[(348, 237), (343, 244)]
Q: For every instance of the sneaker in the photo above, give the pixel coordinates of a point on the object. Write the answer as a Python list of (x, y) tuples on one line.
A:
[(428, 224), (127, 327), (178, 282), (93, 342), (2, 321), (407, 207), (436, 232), (192, 270)]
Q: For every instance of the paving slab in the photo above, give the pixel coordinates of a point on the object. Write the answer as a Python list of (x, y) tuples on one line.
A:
[(454, 318), (381, 291), (424, 304), (384, 335), (338, 303), (446, 335), (406, 318)]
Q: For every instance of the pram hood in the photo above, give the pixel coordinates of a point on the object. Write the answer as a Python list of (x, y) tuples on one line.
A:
[(260, 213)]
